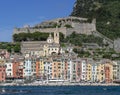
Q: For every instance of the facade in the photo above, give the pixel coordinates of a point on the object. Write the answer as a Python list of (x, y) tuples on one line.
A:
[(94, 72), (20, 70), (65, 69), (48, 69), (5, 53), (84, 70), (15, 69), (33, 67), (73, 66), (100, 72), (78, 70), (27, 72), (41, 48), (2, 72), (108, 72), (89, 72), (56, 69), (118, 70), (115, 66), (37, 68), (9, 70)]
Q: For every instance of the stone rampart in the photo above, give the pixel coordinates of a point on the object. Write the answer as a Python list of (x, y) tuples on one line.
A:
[(81, 28)]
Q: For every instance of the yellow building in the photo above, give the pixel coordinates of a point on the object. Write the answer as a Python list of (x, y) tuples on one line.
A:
[(89, 72), (2, 59), (100, 72), (39, 68)]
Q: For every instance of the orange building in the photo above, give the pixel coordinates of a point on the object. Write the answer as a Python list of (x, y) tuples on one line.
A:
[(108, 72), (39, 68), (17, 70), (20, 70), (56, 70), (2, 72)]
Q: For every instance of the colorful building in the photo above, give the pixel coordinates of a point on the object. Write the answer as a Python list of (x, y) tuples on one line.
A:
[(40, 68), (94, 72), (73, 70), (65, 69), (48, 69), (2, 72), (56, 69), (108, 72), (89, 71), (9, 70), (100, 72), (27, 72), (78, 70), (84, 70)]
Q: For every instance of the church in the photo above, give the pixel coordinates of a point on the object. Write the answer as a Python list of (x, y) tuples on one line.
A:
[(41, 48)]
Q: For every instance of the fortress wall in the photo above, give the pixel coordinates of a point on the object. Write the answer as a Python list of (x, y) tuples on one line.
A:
[(45, 30), (81, 28), (20, 30)]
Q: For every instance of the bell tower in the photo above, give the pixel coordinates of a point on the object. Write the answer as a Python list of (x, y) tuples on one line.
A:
[(56, 35)]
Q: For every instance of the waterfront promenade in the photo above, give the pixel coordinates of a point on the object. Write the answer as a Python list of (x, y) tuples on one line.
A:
[(59, 84)]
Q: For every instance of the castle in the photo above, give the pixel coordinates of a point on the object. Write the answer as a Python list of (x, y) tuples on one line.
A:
[(42, 48), (78, 25)]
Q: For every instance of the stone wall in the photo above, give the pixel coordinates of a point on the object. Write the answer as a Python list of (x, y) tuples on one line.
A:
[(81, 28), (117, 45)]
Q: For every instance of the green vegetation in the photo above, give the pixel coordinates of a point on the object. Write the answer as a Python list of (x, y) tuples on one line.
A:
[(68, 26), (82, 53), (36, 36), (51, 25), (10, 46), (106, 12), (78, 39)]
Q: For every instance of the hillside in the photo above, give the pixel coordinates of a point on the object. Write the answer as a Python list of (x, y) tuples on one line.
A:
[(106, 12)]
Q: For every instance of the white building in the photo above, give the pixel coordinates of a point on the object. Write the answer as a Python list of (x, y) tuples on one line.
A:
[(9, 69), (27, 72), (83, 70), (48, 69)]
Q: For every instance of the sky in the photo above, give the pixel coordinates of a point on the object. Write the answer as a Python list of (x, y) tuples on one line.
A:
[(17, 13)]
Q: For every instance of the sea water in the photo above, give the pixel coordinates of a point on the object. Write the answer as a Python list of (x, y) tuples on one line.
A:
[(60, 90)]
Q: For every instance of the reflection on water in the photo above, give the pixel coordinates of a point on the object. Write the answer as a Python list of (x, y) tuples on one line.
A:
[(12, 91), (60, 90)]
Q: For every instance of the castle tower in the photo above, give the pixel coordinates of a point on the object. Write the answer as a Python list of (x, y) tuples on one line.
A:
[(56, 35), (50, 39)]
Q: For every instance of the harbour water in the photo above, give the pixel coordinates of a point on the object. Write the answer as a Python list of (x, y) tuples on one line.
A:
[(60, 90)]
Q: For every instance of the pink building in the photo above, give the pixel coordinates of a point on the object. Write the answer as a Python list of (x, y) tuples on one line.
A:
[(78, 71)]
